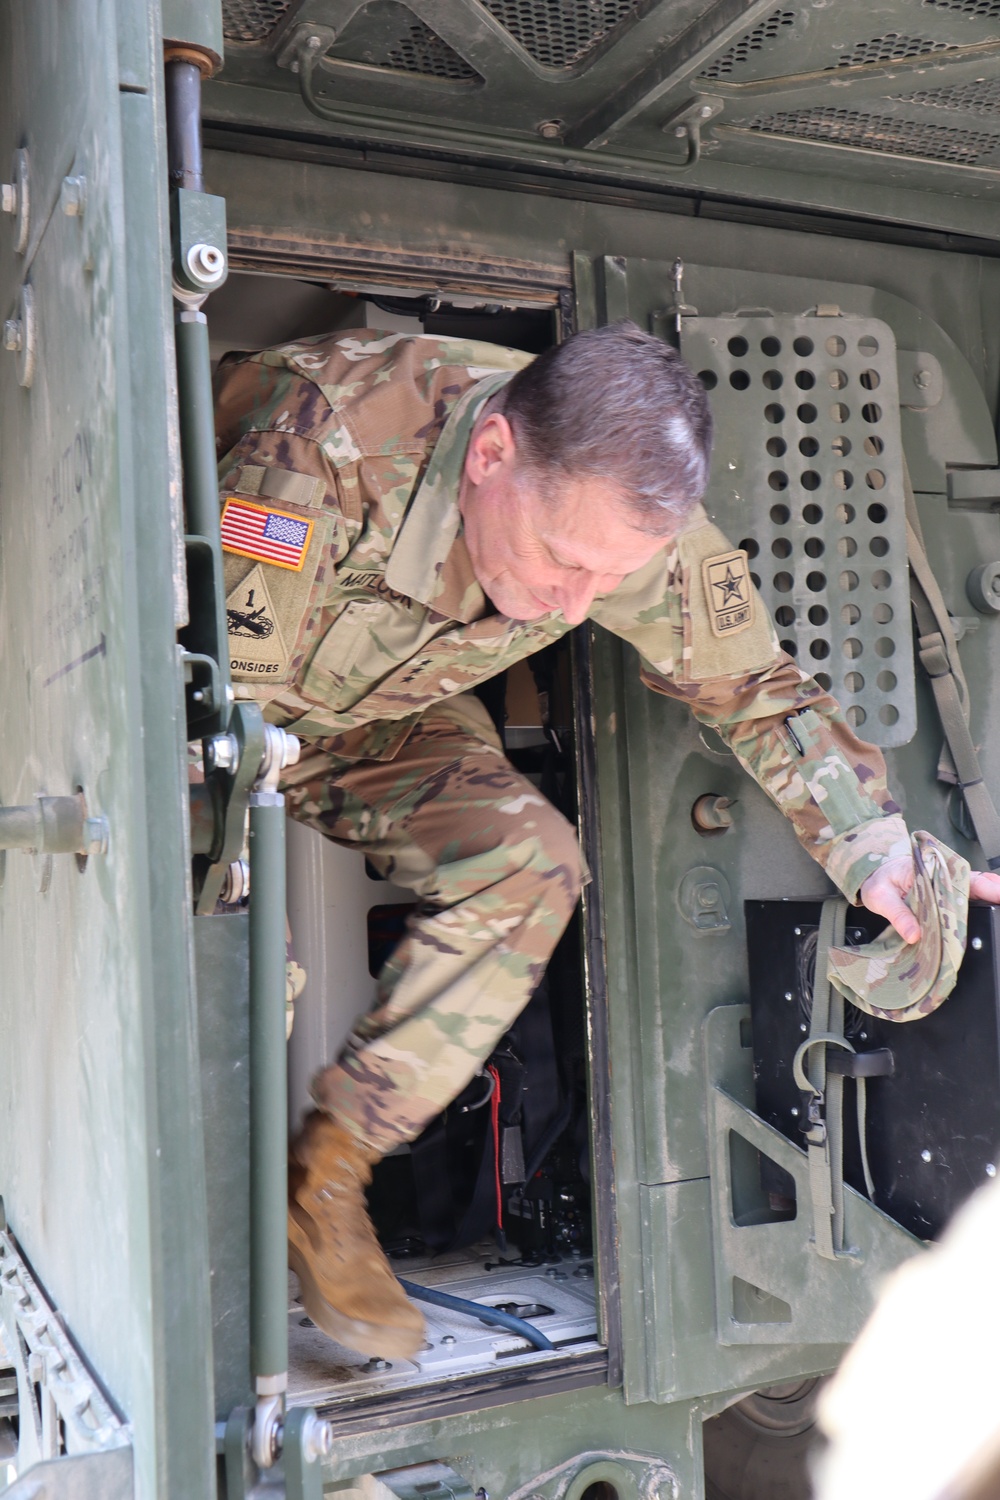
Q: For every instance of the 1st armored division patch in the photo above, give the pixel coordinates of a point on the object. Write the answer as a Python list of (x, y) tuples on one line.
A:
[(728, 593)]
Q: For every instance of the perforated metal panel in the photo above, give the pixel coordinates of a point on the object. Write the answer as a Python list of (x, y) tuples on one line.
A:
[(979, 98), (251, 20), (755, 40), (891, 46), (985, 9), (871, 132), (560, 33), (387, 34), (807, 478)]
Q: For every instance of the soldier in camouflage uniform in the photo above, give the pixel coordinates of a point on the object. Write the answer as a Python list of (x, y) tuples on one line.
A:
[(402, 519)]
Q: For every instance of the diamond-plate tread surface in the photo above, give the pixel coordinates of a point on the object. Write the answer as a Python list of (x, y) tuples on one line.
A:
[(807, 477)]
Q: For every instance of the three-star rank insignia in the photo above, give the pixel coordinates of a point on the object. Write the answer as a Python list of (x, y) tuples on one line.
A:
[(728, 593)]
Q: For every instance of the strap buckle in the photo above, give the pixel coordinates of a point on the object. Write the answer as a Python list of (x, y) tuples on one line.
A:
[(934, 656), (814, 1130)]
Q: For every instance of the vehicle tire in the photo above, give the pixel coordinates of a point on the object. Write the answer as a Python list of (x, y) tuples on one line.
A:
[(759, 1448)]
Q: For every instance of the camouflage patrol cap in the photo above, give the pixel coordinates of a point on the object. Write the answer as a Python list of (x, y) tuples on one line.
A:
[(900, 981)]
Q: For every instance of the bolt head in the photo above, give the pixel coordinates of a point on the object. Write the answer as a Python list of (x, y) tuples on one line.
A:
[(550, 130), (222, 752), (449, 1338), (314, 43), (13, 335), (95, 835), (72, 196), (922, 379), (680, 130), (705, 111), (206, 264)]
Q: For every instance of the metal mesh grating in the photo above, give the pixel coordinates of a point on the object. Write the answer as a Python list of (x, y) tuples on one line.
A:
[(251, 20), (742, 51), (849, 127), (807, 478), (421, 50), (559, 33), (386, 34), (980, 98), (989, 9), (891, 46)]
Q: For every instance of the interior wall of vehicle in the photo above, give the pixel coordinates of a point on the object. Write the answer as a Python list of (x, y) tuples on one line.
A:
[(451, 235), (467, 239)]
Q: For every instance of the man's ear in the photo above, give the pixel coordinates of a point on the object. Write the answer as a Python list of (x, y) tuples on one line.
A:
[(491, 447)]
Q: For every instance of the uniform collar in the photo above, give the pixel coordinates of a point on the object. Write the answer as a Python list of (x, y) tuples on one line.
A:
[(430, 561)]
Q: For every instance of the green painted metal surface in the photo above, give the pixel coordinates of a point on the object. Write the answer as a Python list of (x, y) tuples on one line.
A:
[(886, 109), (100, 1151), (120, 1099)]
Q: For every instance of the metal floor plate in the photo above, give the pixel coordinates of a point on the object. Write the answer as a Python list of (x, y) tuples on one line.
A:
[(558, 1300)]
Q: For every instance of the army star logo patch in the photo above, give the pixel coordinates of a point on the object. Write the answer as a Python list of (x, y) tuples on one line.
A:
[(728, 592)]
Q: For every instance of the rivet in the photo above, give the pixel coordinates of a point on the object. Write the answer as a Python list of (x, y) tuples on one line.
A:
[(797, 931), (789, 995), (803, 1026), (794, 1112), (976, 943), (991, 1170), (449, 1338), (926, 1155)]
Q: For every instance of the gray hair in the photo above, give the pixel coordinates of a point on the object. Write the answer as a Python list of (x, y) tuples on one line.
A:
[(615, 403)]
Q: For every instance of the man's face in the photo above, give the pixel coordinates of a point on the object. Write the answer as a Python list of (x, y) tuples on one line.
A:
[(533, 551)]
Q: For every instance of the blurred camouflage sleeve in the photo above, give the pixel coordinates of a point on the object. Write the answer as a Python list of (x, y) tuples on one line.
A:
[(794, 740)]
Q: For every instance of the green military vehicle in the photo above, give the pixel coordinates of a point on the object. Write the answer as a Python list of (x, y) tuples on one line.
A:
[(805, 199)]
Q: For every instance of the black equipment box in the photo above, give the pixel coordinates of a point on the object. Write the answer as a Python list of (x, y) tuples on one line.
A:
[(934, 1124)]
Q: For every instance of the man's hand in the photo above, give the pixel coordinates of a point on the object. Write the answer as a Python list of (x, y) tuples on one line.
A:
[(885, 893)]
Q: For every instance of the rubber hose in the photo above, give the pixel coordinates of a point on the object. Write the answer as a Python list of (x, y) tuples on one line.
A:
[(492, 1315)]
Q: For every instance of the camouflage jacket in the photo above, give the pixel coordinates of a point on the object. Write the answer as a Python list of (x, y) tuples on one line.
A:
[(352, 603)]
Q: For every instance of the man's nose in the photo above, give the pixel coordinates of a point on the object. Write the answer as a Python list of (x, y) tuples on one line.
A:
[(577, 595)]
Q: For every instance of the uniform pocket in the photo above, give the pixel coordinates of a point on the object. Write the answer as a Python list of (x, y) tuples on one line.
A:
[(371, 641)]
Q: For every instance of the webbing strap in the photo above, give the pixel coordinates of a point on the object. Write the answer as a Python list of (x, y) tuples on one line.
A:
[(824, 1131), (937, 648)]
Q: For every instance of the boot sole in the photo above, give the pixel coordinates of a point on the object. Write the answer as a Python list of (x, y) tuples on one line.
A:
[(373, 1339)]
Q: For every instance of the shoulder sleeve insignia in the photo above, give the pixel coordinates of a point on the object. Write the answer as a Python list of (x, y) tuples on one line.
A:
[(728, 593)]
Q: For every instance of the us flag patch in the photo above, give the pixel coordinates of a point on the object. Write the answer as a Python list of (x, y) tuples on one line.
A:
[(268, 535)]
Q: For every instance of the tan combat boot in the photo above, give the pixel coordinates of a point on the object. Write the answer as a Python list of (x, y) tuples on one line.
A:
[(348, 1288)]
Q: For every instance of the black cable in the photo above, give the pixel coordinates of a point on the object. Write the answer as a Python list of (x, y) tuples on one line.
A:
[(491, 1315)]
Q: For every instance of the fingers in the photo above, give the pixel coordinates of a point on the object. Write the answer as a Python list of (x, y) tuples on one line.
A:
[(899, 914), (883, 894), (984, 887)]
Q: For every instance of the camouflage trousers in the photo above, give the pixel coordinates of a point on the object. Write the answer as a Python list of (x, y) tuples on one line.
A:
[(497, 872)]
